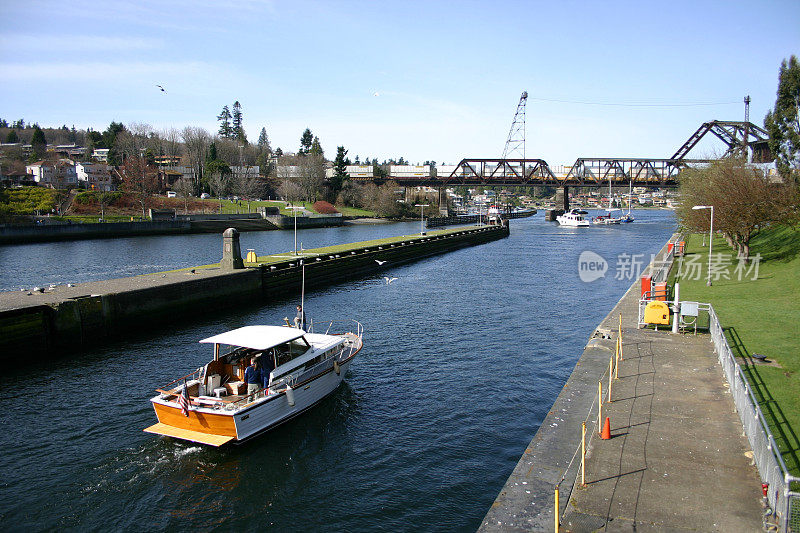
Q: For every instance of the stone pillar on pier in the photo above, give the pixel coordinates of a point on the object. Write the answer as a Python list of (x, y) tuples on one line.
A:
[(562, 198), (443, 207), (231, 250)]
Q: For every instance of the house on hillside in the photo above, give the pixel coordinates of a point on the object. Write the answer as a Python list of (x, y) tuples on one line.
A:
[(95, 176), (58, 174)]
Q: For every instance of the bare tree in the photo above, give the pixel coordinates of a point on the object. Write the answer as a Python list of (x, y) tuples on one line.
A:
[(218, 179), (247, 184), (104, 199), (184, 188), (139, 179), (196, 142), (312, 176), (134, 140), (289, 190), (744, 200), (382, 199), (172, 143), (352, 194)]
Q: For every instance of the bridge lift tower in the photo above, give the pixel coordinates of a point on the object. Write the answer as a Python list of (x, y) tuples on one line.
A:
[(515, 144)]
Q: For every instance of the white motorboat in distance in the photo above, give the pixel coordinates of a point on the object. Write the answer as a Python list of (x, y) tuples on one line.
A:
[(211, 405), (573, 218), (608, 218)]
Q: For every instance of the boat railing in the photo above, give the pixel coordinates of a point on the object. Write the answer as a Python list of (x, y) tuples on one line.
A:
[(170, 388), (338, 327)]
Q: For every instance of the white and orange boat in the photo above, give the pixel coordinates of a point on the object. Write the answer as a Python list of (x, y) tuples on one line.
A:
[(211, 405)]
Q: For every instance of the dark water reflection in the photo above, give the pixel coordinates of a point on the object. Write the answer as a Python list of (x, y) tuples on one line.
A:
[(464, 355)]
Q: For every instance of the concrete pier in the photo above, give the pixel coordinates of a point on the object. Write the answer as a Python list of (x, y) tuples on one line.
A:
[(71, 318), (677, 459)]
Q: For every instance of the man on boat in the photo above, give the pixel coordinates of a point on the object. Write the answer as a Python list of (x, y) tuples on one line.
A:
[(252, 377), (300, 319)]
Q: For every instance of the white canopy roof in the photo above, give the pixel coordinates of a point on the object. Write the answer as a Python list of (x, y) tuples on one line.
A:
[(257, 337)]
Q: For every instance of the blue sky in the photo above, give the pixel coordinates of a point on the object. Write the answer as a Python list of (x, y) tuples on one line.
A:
[(448, 75)]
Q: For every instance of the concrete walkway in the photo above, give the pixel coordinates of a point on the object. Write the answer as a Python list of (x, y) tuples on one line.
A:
[(677, 459)]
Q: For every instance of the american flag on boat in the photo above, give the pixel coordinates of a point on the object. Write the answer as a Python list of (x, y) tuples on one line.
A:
[(183, 400)]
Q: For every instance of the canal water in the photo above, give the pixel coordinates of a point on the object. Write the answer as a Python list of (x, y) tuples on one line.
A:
[(464, 355)]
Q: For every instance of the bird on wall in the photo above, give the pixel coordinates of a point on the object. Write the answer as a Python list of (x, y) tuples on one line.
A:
[(162, 89)]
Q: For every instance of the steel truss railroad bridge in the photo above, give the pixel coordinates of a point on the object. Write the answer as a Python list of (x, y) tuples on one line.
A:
[(739, 137)]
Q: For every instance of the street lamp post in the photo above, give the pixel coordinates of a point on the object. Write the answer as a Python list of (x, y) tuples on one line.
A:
[(421, 217), (710, 237), (294, 214)]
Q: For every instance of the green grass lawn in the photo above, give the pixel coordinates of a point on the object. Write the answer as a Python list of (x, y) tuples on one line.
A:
[(229, 206), (288, 255), (762, 316)]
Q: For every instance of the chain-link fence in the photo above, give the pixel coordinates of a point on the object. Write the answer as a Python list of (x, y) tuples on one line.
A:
[(766, 454)]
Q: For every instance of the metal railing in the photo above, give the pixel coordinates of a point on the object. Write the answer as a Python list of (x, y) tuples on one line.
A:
[(659, 270), (767, 456)]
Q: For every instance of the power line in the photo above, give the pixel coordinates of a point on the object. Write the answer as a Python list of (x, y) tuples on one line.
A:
[(632, 104)]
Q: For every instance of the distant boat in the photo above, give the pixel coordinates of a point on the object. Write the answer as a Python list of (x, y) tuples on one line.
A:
[(607, 219), (628, 217), (573, 218)]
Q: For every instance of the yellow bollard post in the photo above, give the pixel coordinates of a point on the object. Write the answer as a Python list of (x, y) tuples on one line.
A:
[(616, 360), (610, 375), (583, 454), (599, 407), (556, 513), (620, 348)]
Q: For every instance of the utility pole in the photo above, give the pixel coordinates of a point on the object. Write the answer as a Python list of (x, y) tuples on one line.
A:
[(746, 127)]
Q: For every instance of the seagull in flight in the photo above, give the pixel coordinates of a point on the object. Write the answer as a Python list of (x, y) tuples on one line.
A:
[(380, 262), (162, 89), (388, 279)]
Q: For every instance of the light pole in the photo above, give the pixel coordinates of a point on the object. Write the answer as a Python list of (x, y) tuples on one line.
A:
[(294, 214), (710, 237), (421, 217)]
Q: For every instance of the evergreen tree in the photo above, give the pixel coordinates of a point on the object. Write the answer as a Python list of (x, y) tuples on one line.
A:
[(211, 156), (278, 152), (3, 123), (783, 122), (263, 141), (12, 137), (237, 125), (306, 141), (339, 171), (109, 141), (316, 148), (38, 143), (224, 118)]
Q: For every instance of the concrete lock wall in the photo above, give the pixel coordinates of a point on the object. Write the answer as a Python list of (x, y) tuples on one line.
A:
[(92, 319), (285, 278), (59, 232)]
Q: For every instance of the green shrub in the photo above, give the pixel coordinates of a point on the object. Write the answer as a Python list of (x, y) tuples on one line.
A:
[(90, 197), (29, 200)]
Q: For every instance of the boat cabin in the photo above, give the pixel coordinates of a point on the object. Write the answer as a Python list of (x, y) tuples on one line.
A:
[(282, 351)]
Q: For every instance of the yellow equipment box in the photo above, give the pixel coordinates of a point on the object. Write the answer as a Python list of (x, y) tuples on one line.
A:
[(656, 313)]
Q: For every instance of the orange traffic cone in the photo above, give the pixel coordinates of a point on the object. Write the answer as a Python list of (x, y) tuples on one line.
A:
[(606, 434)]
